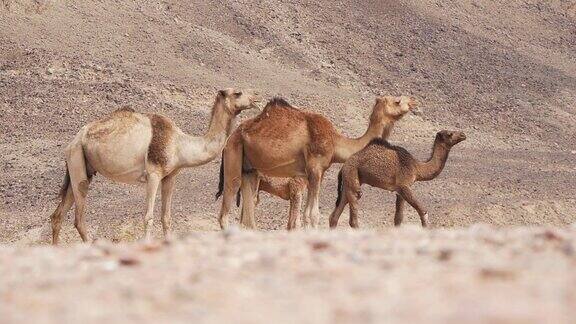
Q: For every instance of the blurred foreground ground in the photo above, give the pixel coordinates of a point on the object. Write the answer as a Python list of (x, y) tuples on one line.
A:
[(481, 274)]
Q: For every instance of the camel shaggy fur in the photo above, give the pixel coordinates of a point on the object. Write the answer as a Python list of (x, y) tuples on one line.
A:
[(392, 168)]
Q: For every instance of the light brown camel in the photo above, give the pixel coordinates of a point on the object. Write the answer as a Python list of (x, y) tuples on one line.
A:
[(392, 168), (290, 189), (131, 147), (283, 141)]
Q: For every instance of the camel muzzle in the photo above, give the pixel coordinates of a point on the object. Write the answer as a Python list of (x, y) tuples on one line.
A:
[(414, 107)]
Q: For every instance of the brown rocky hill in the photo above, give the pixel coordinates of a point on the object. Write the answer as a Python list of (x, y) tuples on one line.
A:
[(503, 72)]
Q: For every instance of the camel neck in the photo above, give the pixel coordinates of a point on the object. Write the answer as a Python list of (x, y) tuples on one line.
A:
[(431, 169), (346, 147), (220, 120), (197, 150)]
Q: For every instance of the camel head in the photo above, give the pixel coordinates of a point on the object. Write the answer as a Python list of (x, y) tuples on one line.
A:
[(396, 107), (236, 100), (450, 138)]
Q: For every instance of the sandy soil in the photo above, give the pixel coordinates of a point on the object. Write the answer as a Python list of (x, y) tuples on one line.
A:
[(477, 275)]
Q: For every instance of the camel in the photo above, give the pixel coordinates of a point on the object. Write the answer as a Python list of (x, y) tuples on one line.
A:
[(290, 189), (136, 148), (284, 141), (392, 168)]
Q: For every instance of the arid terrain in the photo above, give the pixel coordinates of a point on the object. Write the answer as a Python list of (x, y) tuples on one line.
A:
[(504, 72), (476, 275)]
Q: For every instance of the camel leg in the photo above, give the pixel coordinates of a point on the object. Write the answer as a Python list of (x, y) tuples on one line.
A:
[(79, 181), (335, 216), (399, 215), (167, 191), (312, 210), (407, 194), (352, 198), (80, 201), (227, 200), (255, 191), (232, 156), (351, 192), (62, 209), (248, 186), (294, 214), (151, 189)]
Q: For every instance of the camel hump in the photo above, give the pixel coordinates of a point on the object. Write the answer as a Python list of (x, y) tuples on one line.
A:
[(125, 109), (404, 157), (162, 133), (279, 101), (277, 112), (384, 143), (381, 142)]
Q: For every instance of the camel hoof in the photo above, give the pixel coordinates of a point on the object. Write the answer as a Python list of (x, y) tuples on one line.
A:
[(425, 220), (168, 239)]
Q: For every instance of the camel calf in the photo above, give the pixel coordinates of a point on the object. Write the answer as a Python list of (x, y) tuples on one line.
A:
[(291, 189), (392, 168)]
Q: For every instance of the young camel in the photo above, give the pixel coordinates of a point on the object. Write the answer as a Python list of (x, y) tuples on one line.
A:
[(131, 147), (283, 141), (392, 168), (290, 189)]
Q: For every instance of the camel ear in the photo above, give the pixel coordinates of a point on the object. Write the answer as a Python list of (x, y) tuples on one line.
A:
[(222, 93), (444, 134)]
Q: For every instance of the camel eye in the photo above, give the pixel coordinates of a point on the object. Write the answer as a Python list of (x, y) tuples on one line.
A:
[(237, 94)]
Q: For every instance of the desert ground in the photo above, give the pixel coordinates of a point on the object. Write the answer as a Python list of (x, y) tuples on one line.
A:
[(501, 247), (480, 274)]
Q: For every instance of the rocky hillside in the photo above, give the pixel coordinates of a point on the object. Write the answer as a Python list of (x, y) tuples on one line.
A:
[(503, 72)]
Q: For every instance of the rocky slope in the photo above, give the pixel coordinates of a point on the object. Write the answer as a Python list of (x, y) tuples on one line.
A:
[(504, 72)]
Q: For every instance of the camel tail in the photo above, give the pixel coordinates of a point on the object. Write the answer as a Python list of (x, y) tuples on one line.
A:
[(340, 185), (221, 180), (221, 184), (65, 184)]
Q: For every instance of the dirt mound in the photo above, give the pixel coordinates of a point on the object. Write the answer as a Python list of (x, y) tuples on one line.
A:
[(505, 73)]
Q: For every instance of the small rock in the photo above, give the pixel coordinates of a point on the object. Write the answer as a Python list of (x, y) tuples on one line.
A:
[(319, 245), (445, 255), (550, 235), (128, 260), (502, 274), (266, 50)]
